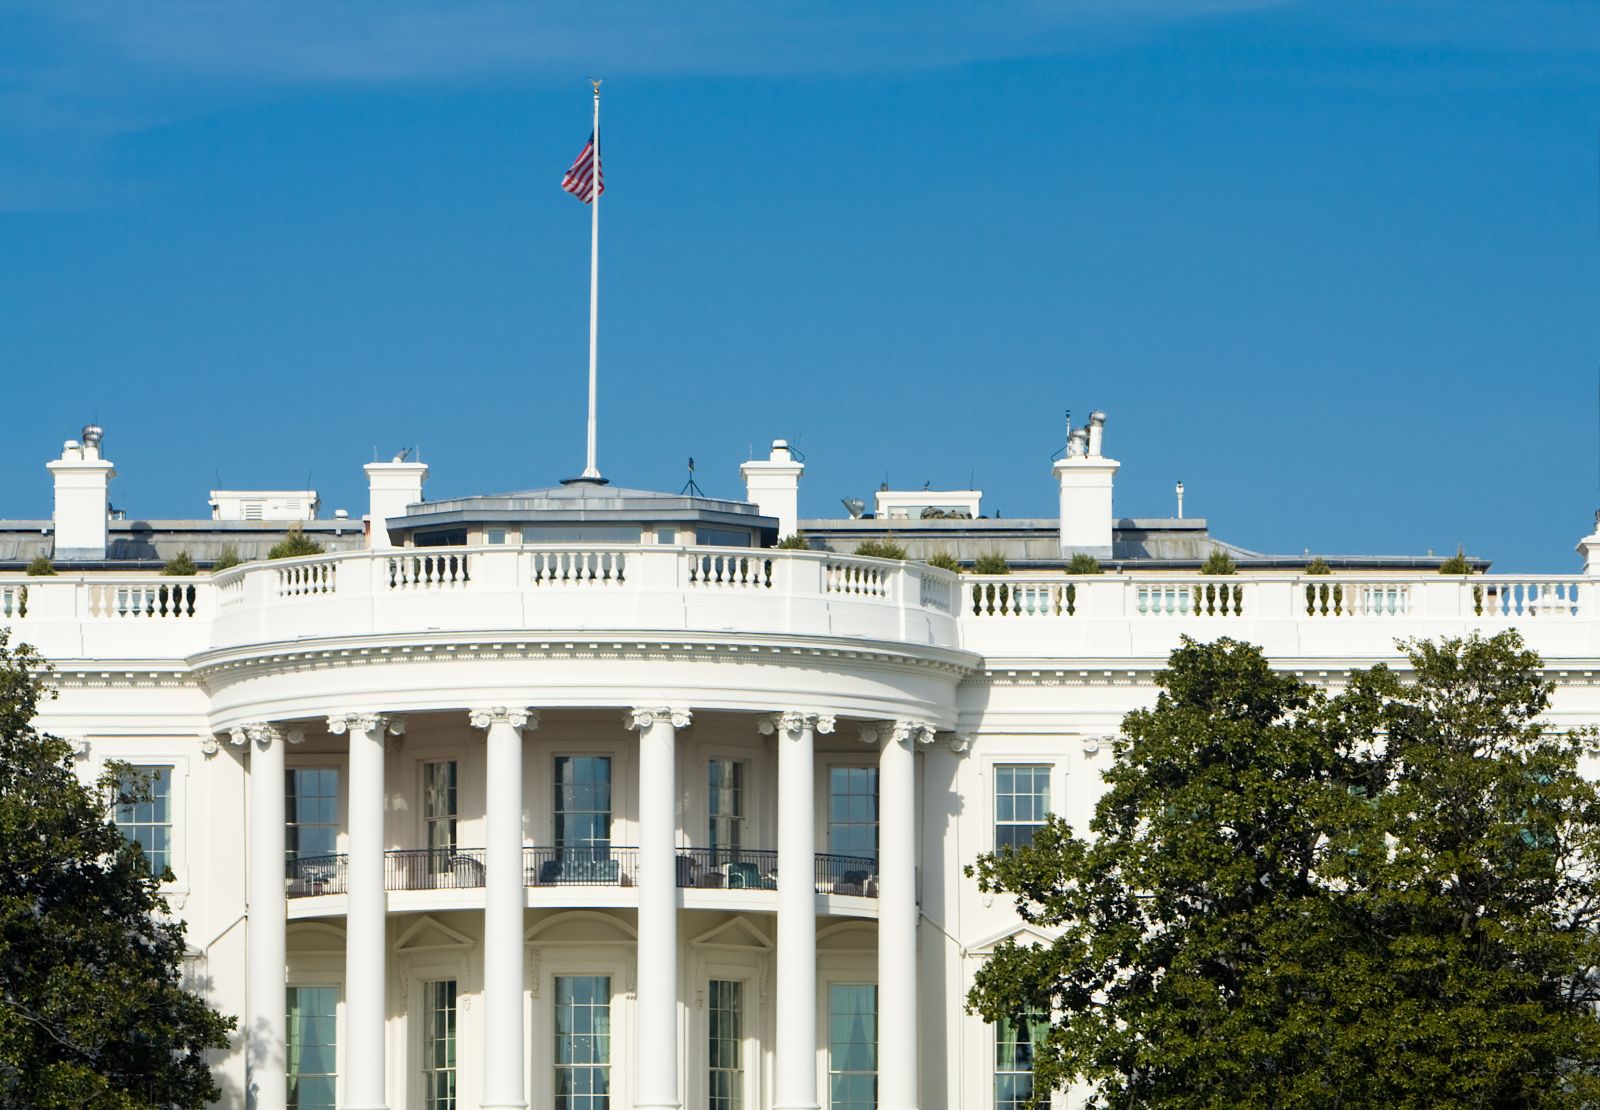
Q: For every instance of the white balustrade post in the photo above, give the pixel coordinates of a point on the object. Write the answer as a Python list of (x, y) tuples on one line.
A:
[(795, 1087), (266, 945), (503, 902), (366, 918), (656, 1005), (897, 913)]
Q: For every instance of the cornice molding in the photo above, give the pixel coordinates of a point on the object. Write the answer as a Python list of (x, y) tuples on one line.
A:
[(211, 668)]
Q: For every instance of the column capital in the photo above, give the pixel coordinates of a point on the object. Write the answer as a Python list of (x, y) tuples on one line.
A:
[(516, 717), (339, 723), (794, 720), (643, 717), (908, 734), (257, 734), (958, 742)]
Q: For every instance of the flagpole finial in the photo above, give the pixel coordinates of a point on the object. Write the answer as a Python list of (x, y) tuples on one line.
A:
[(596, 82)]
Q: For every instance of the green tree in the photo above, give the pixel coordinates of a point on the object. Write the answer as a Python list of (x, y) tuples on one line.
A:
[(943, 560), (180, 565), (295, 544), (94, 1013), (794, 541), (227, 557), (40, 568), (1386, 898), (992, 562), (1219, 562), (1456, 564)]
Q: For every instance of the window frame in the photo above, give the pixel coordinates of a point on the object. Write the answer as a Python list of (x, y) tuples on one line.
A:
[(341, 784), (1032, 762), (170, 800)]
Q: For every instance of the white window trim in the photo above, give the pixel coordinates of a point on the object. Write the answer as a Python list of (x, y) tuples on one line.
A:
[(986, 784), (177, 811)]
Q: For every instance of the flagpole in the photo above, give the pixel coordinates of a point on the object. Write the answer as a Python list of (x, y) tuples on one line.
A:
[(592, 470)]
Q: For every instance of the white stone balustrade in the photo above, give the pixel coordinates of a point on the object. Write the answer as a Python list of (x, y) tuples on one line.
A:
[(760, 592)]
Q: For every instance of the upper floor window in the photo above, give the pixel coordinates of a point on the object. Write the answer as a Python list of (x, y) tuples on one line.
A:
[(311, 812), (146, 817), (1021, 803), (725, 804), (853, 811), (439, 805), (583, 801)]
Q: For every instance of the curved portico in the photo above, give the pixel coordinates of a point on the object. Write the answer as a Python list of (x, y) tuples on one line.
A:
[(753, 665)]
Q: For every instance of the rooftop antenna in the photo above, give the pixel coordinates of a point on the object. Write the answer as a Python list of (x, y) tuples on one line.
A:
[(1068, 445), (403, 454), (691, 487)]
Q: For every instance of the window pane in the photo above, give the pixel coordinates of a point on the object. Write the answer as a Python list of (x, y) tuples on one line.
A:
[(852, 1046), (312, 1071), (311, 811), (439, 1045), (583, 801), (1021, 803), (853, 811), (726, 1012), (583, 1042), (1013, 1060), (147, 822)]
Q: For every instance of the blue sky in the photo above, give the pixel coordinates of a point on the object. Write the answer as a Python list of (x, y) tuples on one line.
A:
[(1335, 266)]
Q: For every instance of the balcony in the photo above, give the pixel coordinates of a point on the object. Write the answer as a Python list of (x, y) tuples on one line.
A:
[(698, 869)]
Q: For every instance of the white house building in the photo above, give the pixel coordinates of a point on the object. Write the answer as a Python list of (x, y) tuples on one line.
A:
[(590, 797)]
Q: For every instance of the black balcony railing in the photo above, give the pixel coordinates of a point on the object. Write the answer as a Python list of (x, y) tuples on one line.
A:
[(698, 868), (856, 875)]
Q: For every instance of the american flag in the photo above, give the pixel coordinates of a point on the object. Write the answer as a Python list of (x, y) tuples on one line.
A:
[(585, 180)]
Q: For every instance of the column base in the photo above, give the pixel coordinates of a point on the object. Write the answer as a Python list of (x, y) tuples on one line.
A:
[(637, 1105), (503, 1106)]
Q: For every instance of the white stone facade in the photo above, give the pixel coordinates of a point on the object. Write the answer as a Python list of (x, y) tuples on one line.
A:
[(701, 796)]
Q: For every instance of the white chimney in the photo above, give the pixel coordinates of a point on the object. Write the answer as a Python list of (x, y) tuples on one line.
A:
[(773, 486), (393, 486), (1086, 480), (82, 509)]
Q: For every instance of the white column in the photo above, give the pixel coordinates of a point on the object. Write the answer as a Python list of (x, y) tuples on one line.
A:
[(266, 1003), (366, 935), (795, 1087), (898, 1015), (503, 902), (656, 1004)]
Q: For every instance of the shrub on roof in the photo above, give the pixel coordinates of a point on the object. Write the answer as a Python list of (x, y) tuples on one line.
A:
[(228, 558), (992, 563), (40, 568), (794, 541), (944, 560), (295, 544), (180, 565), (1319, 565), (1219, 562), (885, 548), (1456, 564), (1084, 563)]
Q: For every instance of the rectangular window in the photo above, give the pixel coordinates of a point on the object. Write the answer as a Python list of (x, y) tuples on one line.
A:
[(726, 1010), (721, 537), (1013, 1060), (1021, 803), (439, 813), (148, 821), (439, 1045), (495, 535), (853, 811), (583, 1042), (311, 812), (725, 805), (852, 1046), (313, 1048), (583, 801)]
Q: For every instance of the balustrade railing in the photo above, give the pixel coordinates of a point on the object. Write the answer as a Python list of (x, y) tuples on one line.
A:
[(302, 579), (578, 567), (862, 577), (730, 570), (424, 569), (464, 869), (174, 600), (13, 602)]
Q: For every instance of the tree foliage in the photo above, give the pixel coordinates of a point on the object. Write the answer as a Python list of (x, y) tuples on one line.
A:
[(92, 1009), (227, 557), (40, 567), (1219, 562), (991, 562), (794, 541), (943, 560), (1084, 563), (1386, 897)]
